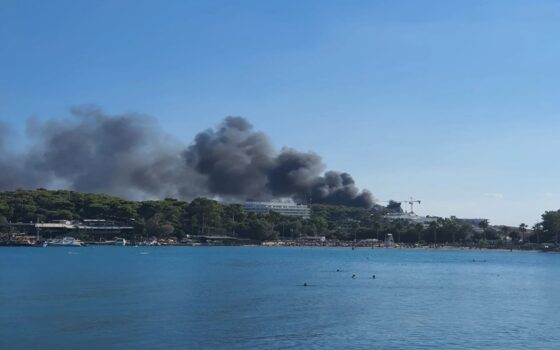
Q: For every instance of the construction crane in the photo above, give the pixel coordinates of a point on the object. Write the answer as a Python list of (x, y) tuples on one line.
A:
[(411, 202)]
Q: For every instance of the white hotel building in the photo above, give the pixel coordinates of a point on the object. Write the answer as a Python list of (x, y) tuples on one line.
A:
[(286, 209)]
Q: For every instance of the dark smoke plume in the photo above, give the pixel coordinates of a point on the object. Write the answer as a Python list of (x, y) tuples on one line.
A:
[(129, 156)]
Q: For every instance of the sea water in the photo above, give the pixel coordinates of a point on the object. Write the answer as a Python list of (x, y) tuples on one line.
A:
[(255, 298)]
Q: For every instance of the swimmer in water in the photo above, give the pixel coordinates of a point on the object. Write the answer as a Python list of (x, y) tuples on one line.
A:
[(373, 277), (354, 276), (305, 284)]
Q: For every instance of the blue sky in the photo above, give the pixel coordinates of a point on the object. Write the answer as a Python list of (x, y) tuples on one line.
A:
[(453, 102)]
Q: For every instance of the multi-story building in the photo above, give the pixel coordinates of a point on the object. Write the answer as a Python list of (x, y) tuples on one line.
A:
[(410, 217), (286, 209)]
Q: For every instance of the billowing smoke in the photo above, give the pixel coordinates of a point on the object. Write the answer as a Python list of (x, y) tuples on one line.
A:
[(240, 162), (128, 155)]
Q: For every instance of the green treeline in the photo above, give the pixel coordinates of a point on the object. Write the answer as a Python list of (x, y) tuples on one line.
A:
[(174, 218)]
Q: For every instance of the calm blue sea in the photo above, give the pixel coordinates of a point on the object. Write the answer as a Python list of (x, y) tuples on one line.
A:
[(254, 298)]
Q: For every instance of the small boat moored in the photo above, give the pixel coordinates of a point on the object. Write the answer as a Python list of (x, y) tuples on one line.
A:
[(63, 242)]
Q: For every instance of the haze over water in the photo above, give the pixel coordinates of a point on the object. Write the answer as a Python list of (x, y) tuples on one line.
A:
[(254, 298)]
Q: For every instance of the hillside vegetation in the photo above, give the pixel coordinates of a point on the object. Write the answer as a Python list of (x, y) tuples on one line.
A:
[(175, 218)]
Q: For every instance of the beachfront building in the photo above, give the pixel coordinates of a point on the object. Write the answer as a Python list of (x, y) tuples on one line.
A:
[(282, 208), (411, 217), (97, 227)]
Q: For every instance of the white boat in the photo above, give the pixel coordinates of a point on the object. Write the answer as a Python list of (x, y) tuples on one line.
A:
[(63, 242)]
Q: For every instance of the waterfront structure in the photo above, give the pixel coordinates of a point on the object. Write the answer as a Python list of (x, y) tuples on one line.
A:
[(282, 208), (389, 242), (88, 226), (68, 227)]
